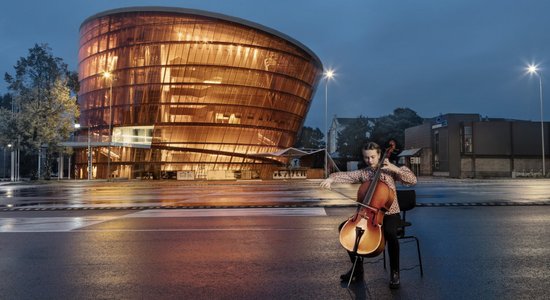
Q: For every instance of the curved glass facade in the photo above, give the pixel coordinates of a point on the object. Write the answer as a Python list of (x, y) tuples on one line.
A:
[(188, 91)]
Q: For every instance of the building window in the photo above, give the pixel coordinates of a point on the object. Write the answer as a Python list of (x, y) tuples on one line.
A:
[(466, 139)]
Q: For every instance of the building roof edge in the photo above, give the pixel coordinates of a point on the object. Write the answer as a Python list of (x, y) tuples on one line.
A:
[(205, 14)]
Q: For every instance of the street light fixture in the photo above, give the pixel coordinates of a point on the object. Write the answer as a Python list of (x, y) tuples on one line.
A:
[(109, 76), (533, 69), (329, 74)]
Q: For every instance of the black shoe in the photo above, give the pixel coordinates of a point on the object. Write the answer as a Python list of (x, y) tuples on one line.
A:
[(356, 276), (394, 280)]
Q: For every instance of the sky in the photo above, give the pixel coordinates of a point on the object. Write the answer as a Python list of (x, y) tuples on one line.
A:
[(432, 56)]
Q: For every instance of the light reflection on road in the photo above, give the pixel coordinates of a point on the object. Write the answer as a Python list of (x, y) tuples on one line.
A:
[(78, 194)]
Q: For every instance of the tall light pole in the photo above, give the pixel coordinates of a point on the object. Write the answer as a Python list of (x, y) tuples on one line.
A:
[(11, 161), (109, 76), (15, 153), (13, 164), (4, 165), (89, 148), (533, 69), (329, 74)]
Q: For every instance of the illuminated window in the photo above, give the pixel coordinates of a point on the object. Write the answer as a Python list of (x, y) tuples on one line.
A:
[(467, 139)]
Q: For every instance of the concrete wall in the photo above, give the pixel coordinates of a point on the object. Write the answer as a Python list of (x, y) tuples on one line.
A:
[(492, 167), (524, 167), (500, 167)]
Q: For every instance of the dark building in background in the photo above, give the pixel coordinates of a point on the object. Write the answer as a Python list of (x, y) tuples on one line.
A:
[(189, 91), (469, 146)]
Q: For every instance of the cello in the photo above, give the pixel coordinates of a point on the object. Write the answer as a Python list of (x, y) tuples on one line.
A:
[(362, 233)]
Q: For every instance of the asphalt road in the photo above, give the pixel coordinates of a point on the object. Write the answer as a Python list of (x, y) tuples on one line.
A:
[(175, 194), (266, 253), (485, 239)]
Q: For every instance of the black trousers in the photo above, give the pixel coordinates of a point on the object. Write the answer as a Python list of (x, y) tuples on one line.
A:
[(389, 226)]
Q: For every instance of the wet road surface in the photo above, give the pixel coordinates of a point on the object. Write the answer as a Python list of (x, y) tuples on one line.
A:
[(267, 253), (485, 239), (178, 194)]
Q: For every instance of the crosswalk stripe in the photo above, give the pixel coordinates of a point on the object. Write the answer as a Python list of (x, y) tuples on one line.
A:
[(49, 224), (229, 212), (66, 224)]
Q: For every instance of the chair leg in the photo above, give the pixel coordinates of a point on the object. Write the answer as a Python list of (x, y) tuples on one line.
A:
[(419, 257), (417, 251)]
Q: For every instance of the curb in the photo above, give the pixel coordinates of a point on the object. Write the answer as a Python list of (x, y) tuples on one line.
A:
[(114, 208)]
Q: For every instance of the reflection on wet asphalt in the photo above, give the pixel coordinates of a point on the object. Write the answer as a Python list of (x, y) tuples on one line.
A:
[(80, 194)]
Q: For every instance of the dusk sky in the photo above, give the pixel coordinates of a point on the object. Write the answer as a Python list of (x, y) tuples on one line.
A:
[(433, 56)]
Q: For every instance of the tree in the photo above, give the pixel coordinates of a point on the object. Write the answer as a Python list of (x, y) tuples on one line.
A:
[(393, 126), (351, 138), (6, 101), (72, 82), (310, 138), (7, 123), (43, 111)]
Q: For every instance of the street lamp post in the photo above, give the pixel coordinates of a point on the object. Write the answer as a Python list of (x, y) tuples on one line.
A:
[(328, 75), (533, 69), (4, 165), (13, 164), (109, 76), (15, 153), (89, 148)]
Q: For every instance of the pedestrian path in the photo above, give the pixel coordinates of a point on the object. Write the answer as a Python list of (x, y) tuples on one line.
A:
[(66, 224)]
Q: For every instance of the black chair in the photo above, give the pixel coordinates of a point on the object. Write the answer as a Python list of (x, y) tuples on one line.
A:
[(407, 201)]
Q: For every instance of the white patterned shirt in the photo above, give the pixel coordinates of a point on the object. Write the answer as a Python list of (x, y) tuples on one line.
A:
[(405, 176)]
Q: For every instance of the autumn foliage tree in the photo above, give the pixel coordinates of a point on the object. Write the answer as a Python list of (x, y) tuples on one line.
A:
[(43, 110)]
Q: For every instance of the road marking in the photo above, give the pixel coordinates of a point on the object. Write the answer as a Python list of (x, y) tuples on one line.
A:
[(65, 224), (207, 229), (229, 212), (50, 224)]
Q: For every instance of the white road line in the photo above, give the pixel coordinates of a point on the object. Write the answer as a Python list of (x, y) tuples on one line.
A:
[(65, 224), (207, 229), (50, 224), (228, 212)]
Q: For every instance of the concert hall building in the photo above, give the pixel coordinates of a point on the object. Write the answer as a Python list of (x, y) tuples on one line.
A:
[(167, 91)]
